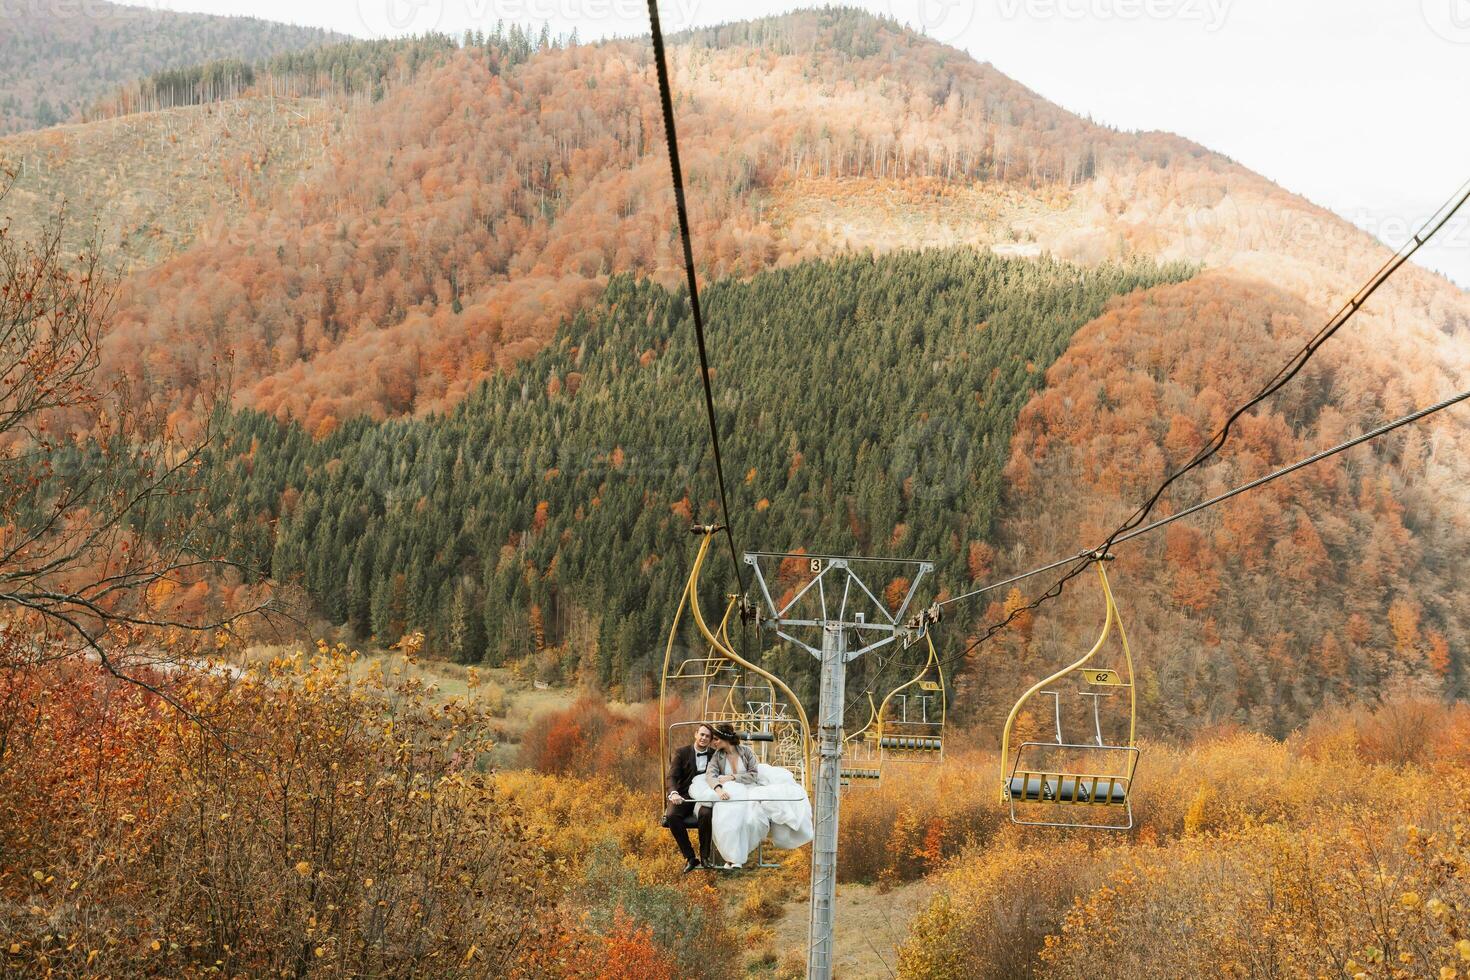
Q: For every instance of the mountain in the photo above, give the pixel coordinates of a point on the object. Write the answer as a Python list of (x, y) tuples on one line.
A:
[(406, 317), (187, 153), (473, 210), (57, 59), (477, 208)]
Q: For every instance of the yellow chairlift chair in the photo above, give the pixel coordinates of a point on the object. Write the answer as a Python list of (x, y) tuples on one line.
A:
[(910, 722), (861, 757), (1069, 783), (778, 729)]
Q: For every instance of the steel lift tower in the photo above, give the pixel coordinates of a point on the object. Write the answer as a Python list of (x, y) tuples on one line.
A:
[(836, 617)]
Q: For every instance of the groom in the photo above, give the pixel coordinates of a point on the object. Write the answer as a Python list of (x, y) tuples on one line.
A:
[(687, 763)]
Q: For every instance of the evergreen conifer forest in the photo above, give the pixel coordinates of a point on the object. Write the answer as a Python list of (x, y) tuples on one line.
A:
[(563, 492)]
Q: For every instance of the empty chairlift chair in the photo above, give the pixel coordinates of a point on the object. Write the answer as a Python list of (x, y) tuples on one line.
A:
[(911, 719), (1071, 783), (861, 757)]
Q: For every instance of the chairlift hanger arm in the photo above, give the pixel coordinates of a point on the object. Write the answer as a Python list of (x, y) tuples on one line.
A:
[(872, 716), (1111, 618), (698, 616), (663, 731), (933, 661)]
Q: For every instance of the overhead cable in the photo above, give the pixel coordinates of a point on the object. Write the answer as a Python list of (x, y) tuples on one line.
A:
[(1084, 558), (1289, 370), (677, 176)]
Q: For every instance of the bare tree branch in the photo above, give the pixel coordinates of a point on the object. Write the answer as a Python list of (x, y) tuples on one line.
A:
[(101, 520)]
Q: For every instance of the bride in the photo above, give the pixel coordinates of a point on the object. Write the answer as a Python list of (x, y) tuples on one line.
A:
[(754, 800)]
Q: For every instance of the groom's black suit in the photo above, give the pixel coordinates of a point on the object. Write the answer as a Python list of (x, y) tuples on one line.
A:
[(683, 767)]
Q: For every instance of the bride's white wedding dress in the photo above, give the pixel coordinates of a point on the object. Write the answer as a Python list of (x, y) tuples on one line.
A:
[(777, 807)]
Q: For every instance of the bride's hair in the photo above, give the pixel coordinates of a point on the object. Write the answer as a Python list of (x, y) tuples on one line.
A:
[(725, 734)]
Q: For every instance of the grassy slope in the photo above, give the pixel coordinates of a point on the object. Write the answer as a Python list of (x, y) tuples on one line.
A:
[(152, 182)]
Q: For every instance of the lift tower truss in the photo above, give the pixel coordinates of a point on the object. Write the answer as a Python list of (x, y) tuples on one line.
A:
[(830, 606)]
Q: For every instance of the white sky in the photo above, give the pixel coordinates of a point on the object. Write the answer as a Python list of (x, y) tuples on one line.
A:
[(1359, 105)]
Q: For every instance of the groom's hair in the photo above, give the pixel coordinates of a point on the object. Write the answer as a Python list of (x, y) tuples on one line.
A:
[(705, 725)]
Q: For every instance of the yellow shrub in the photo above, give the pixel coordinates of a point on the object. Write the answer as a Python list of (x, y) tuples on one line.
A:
[(919, 816), (996, 906), (761, 904), (574, 816), (289, 831), (1326, 855), (1349, 895)]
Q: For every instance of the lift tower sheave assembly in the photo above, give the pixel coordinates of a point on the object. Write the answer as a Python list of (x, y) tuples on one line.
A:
[(836, 616)]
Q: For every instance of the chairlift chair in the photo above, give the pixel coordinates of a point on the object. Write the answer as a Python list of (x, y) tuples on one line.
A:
[(1088, 784), (779, 728), (862, 762), (910, 722)]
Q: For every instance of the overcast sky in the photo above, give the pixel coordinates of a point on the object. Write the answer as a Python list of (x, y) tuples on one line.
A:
[(1360, 105)]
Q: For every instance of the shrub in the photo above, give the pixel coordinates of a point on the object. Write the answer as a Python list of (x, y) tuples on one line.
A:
[(573, 816), (1396, 732), (1334, 854), (685, 920), (590, 739), (996, 907), (1348, 897), (761, 904), (1246, 780), (917, 817), (301, 822)]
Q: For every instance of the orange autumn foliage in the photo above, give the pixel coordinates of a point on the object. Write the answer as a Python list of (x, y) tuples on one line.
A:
[(284, 829), (629, 953), (1249, 854), (589, 738), (1224, 608)]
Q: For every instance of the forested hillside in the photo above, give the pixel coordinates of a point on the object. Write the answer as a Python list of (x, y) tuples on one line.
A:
[(869, 409), (56, 59), (445, 236), (472, 211), (1332, 584), (869, 404), (363, 71)]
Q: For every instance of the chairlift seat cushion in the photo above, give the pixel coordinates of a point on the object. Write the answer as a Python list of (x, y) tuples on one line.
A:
[(923, 743), (1071, 790)]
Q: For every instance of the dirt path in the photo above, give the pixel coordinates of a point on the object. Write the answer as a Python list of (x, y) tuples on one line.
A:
[(871, 925)]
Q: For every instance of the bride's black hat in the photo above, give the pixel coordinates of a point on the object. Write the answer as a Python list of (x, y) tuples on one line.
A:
[(725, 734)]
